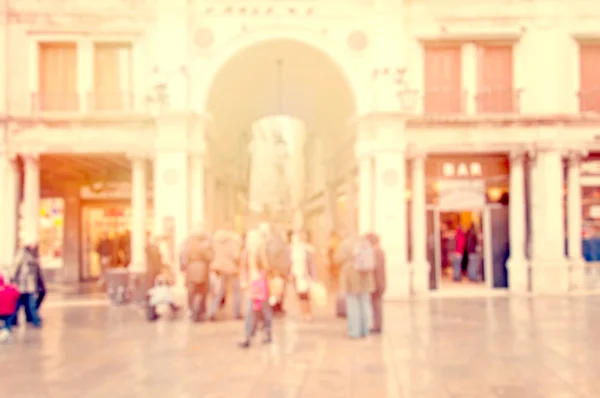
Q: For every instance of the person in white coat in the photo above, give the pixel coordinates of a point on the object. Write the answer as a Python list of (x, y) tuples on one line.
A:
[(303, 271)]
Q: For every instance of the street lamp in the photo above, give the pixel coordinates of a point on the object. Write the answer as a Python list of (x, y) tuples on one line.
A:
[(408, 97), (159, 93)]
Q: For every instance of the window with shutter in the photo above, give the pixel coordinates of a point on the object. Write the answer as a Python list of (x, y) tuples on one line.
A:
[(589, 77), (443, 86), (112, 77), (495, 92), (57, 70)]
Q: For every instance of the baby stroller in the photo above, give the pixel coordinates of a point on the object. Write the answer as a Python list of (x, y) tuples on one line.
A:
[(160, 296), (117, 286)]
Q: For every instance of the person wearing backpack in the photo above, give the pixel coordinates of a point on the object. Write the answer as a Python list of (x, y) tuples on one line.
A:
[(278, 263), (357, 259), (380, 284), (196, 257), (225, 264), (27, 281)]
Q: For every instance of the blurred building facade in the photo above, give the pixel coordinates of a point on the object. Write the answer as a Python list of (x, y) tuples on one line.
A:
[(419, 115)]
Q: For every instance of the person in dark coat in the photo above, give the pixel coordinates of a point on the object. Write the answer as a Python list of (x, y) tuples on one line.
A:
[(380, 284), (154, 265)]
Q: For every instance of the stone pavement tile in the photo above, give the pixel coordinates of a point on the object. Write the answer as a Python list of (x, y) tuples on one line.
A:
[(436, 348)]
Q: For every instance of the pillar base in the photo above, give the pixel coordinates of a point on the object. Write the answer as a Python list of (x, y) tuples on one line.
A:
[(550, 276), (519, 275), (420, 275), (398, 283), (577, 275)]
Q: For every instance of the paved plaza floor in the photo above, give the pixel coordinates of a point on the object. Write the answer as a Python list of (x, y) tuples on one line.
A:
[(437, 348)]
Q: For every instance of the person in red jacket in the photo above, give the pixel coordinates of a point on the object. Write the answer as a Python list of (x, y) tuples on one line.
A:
[(9, 296)]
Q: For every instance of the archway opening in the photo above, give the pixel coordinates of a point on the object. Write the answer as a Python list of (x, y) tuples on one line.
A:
[(271, 81)]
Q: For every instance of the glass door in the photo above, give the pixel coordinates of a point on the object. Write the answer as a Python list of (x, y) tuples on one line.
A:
[(433, 247), (497, 242)]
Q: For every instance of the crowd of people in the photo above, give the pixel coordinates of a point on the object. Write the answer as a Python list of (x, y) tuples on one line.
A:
[(252, 271)]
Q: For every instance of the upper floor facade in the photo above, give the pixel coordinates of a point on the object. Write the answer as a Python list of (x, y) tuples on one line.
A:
[(499, 57)]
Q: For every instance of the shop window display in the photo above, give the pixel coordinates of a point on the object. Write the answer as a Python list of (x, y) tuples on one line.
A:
[(114, 222), (51, 232), (591, 223)]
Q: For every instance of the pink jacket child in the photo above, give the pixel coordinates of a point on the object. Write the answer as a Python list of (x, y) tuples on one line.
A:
[(259, 290), (9, 296)]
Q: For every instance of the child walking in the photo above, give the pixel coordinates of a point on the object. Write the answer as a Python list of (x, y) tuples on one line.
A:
[(9, 297), (257, 308)]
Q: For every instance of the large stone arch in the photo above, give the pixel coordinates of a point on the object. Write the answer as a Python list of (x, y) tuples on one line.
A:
[(323, 87), (348, 66)]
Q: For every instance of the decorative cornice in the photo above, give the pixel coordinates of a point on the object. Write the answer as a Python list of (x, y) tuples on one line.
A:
[(376, 119), (416, 152)]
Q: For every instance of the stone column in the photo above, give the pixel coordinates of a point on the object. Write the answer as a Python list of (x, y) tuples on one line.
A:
[(518, 266), (351, 204), (196, 187), (10, 203), (390, 219), (170, 188), (139, 202), (533, 207), (366, 194), (209, 209), (549, 270), (9, 180), (574, 215), (231, 198), (72, 234), (330, 208), (31, 199), (420, 266)]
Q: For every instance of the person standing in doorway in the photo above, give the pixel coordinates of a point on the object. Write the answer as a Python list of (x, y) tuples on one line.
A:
[(104, 248), (473, 252), (460, 241), (380, 284)]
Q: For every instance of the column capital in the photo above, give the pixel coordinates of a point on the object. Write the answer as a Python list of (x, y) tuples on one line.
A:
[(517, 155), (138, 155), (33, 157), (375, 125), (544, 147), (416, 152), (576, 154), (10, 155)]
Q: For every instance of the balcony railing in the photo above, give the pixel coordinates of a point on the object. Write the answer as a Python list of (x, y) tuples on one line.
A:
[(92, 103), (498, 100), (111, 102), (444, 101), (62, 102), (589, 100)]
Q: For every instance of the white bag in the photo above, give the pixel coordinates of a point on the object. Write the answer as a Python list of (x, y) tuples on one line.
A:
[(318, 294)]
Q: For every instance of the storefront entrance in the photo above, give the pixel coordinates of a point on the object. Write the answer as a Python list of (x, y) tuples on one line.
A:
[(467, 197), (103, 220), (481, 264)]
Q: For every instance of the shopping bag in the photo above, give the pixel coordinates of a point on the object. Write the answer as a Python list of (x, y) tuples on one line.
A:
[(276, 286), (340, 306), (318, 294)]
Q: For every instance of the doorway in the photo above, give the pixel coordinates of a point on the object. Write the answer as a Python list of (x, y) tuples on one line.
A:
[(98, 221), (479, 261)]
